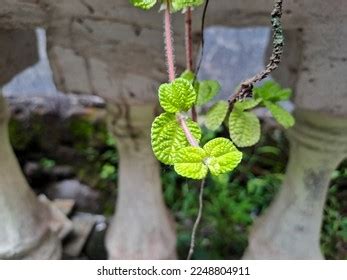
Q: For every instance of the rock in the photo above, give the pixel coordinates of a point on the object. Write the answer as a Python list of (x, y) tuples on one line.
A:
[(87, 199), (34, 169), (64, 205), (82, 226), (58, 223), (95, 246), (61, 106)]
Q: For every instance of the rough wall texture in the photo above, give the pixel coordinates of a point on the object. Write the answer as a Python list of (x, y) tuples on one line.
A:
[(92, 44), (13, 43)]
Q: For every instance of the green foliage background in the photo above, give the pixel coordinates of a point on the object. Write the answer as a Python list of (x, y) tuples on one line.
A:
[(232, 202)]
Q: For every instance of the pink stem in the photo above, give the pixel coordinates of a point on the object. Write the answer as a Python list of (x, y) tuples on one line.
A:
[(170, 60), (192, 141), (170, 56)]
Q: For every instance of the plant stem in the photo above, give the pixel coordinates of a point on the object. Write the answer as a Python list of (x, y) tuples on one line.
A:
[(197, 221), (192, 141), (246, 88), (194, 114), (189, 39), (170, 60), (198, 65), (169, 50), (189, 50)]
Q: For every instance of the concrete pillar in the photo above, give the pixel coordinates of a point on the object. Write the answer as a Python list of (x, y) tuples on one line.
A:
[(25, 232), (141, 227), (123, 62), (290, 228)]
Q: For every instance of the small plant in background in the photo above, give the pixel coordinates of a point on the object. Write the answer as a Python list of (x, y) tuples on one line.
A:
[(232, 201), (47, 163), (334, 231)]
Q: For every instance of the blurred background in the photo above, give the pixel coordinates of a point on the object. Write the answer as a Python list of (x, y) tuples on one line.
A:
[(67, 153)]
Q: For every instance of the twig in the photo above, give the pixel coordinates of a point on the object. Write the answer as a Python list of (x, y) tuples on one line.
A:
[(192, 141), (246, 88), (197, 221), (189, 39), (197, 69), (170, 61), (169, 50), (189, 50)]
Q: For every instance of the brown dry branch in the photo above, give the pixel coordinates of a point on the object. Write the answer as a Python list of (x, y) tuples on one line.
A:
[(246, 88)]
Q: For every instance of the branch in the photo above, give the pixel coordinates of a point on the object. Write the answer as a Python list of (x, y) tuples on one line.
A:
[(189, 39), (192, 141), (189, 50), (198, 66), (246, 88), (169, 50)]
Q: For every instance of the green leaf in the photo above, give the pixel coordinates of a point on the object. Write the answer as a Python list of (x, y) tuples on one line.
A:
[(207, 90), (244, 128), (222, 156), (247, 104), (178, 5), (282, 116), (168, 137), (143, 4), (219, 156), (216, 115), (272, 91), (189, 162), (177, 96), (188, 75)]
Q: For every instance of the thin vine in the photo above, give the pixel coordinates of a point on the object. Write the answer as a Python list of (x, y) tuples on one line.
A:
[(197, 221), (202, 32)]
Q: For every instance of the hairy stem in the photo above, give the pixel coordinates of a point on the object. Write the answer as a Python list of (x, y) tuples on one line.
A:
[(170, 60), (169, 50), (197, 221), (182, 121)]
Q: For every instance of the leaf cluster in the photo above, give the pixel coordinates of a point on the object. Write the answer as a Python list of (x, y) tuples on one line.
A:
[(170, 141), (244, 125), (176, 5)]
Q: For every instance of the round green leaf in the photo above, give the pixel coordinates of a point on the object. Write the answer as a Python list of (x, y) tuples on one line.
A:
[(282, 116), (216, 115), (207, 91), (247, 104), (188, 75), (222, 156), (178, 5), (178, 96), (168, 137), (189, 162), (244, 128), (143, 4), (272, 91)]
